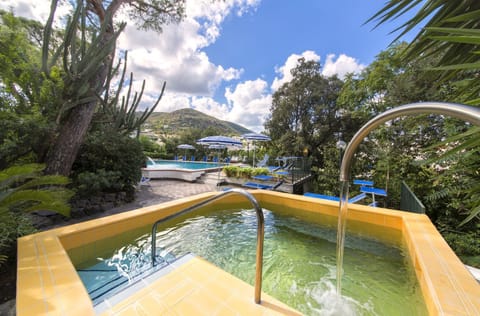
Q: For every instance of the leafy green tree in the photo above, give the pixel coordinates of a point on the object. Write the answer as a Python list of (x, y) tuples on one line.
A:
[(25, 101), (304, 113)]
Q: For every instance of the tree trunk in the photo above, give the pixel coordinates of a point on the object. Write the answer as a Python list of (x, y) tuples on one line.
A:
[(73, 129), (62, 155)]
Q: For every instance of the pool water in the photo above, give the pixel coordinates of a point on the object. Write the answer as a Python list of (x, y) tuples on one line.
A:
[(190, 165), (299, 261)]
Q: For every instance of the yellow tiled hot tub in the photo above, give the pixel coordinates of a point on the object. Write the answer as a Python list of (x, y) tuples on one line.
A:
[(47, 282)]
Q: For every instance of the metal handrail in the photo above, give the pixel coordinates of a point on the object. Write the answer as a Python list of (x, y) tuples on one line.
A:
[(260, 232)]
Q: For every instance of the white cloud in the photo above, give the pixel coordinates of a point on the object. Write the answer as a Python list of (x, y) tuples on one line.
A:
[(175, 55), (210, 107), (35, 10), (250, 103), (342, 66), (292, 62)]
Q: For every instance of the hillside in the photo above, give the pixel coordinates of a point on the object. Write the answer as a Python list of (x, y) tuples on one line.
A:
[(185, 119)]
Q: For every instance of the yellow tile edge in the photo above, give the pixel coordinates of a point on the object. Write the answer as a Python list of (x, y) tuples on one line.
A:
[(47, 282)]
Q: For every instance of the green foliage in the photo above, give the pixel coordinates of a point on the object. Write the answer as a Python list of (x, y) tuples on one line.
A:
[(13, 225), (86, 56), (458, 185), (244, 172), (231, 171), (304, 112), (153, 14), (23, 189), (327, 178), (21, 136), (465, 244), (91, 183), (19, 61), (83, 56), (450, 33), (151, 148), (110, 155)]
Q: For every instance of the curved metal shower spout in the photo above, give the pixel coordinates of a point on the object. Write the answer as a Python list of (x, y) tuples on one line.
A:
[(468, 113)]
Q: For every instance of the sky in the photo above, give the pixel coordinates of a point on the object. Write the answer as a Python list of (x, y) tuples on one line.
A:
[(228, 57)]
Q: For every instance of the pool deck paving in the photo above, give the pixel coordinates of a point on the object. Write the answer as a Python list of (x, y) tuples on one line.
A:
[(152, 193)]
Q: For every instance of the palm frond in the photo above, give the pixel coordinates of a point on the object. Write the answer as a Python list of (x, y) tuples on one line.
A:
[(473, 213)]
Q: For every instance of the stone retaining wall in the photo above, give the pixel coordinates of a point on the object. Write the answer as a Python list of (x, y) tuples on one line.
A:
[(80, 208)]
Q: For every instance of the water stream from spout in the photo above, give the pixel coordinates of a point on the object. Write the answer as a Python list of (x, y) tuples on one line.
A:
[(151, 160), (341, 232)]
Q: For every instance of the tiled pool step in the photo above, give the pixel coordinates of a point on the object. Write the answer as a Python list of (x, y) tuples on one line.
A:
[(119, 291), (191, 286)]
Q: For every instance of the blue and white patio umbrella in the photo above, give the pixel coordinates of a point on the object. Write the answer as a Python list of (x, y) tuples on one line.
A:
[(255, 137), (229, 142), (220, 142), (185, 147)]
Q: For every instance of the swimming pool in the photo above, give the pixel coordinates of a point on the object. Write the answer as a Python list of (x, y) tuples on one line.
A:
[(299, 260), (176, 169)]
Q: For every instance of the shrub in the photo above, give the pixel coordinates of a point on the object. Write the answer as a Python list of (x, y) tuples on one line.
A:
[(231, 171), (12, 226), (91, 183), (464, 244), (259, 171), (244, 172), (116, 160)]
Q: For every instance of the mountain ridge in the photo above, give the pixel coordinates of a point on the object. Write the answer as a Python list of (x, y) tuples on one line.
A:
[(187, 118)]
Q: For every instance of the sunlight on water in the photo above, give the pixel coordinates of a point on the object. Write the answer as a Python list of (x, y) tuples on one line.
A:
[(299, 265)]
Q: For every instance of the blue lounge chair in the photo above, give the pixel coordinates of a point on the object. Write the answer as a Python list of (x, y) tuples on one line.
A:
[(192, 158), (354, 199), (263, 177), (263, 163), (144, 181), (363, 183), (285, 170), (256, 185), (373, 191)]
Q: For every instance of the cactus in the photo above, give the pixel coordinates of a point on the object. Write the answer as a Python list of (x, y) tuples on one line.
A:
[(123, 114), (81, 57)]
